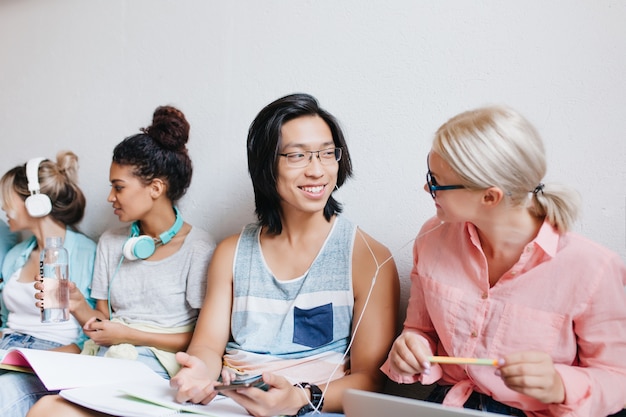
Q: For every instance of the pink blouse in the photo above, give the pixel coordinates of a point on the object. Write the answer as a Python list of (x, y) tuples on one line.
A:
[(564, 296)]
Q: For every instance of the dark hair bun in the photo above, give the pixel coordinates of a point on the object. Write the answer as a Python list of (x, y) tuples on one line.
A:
[(169, 128)]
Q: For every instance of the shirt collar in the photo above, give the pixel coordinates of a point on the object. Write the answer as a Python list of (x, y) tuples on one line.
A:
[(547, 238)]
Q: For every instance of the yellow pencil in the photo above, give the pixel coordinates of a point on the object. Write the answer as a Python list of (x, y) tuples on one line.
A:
[(463, 361)]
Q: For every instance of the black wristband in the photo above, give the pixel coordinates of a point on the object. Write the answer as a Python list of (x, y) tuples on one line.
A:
[(317, 401)]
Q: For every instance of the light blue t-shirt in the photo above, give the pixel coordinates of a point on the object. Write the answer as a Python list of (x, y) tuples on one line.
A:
[(82, 252), (7, 241)]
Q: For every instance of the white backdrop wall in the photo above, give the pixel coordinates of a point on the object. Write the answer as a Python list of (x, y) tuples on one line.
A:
[(82, 75)]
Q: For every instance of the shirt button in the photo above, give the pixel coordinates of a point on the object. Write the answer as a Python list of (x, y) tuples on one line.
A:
[(474, 334), (484, 296)]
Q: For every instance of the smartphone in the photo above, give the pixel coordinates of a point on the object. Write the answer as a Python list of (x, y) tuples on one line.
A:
[(256, 382)]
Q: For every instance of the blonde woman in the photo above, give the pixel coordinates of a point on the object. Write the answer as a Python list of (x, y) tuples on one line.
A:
[(58, 217), (498, 274)]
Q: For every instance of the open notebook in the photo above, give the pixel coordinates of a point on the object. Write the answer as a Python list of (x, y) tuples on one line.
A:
[(116, 386), (358, 403), (146, 400), (59, 370)]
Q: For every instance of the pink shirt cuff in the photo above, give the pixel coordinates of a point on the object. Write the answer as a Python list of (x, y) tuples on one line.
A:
[(576, 385)]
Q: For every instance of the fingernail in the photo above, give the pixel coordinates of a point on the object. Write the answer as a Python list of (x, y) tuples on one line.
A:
[(497, 372), (501, 362)]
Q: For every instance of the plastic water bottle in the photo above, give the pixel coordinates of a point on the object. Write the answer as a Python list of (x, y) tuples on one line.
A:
[(53, 268)]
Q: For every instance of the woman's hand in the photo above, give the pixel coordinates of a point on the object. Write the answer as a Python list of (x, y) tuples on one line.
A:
[(281, 399), (76, 297), (193, 382), (409, 355), (105, 332), (533, 374)]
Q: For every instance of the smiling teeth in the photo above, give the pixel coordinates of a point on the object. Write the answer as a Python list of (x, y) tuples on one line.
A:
[(313, 189)]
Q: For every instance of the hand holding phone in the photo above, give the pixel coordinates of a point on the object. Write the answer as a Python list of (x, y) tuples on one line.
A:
[(256, 382)]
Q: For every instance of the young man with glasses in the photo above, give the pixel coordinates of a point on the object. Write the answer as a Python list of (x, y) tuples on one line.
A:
[(303, 297)]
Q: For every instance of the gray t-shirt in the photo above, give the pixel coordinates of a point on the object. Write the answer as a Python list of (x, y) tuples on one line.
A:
[(166, 293)]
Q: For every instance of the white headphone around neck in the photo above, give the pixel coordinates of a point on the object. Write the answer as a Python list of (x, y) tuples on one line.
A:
[(142, 246), (37, 204)]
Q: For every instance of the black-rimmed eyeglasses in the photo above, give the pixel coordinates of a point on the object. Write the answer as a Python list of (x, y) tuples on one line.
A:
[(301, 159), (432, 183)]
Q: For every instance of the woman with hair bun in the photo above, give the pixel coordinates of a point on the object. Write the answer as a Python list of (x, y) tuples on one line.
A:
[(498, 274), (21, 319), (150, 278)]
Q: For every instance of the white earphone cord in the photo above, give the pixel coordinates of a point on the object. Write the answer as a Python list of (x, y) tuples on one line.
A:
[(367, 299), (109, 289)]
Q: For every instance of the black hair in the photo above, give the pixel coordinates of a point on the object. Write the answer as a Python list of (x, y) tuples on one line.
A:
[(264, 139), (160, 152)]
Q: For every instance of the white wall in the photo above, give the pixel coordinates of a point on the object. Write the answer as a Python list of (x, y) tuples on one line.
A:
[(85, 74)]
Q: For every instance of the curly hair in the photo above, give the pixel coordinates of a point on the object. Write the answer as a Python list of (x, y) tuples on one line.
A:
[(160, 151)]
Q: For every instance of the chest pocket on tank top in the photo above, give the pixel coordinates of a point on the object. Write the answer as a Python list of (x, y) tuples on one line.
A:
[(313, 327)]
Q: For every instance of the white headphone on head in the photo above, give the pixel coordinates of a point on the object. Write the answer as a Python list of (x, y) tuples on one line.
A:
[(37, 204)]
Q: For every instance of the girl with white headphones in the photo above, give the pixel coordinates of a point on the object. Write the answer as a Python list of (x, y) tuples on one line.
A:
[(43, 199), (150, 278)]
